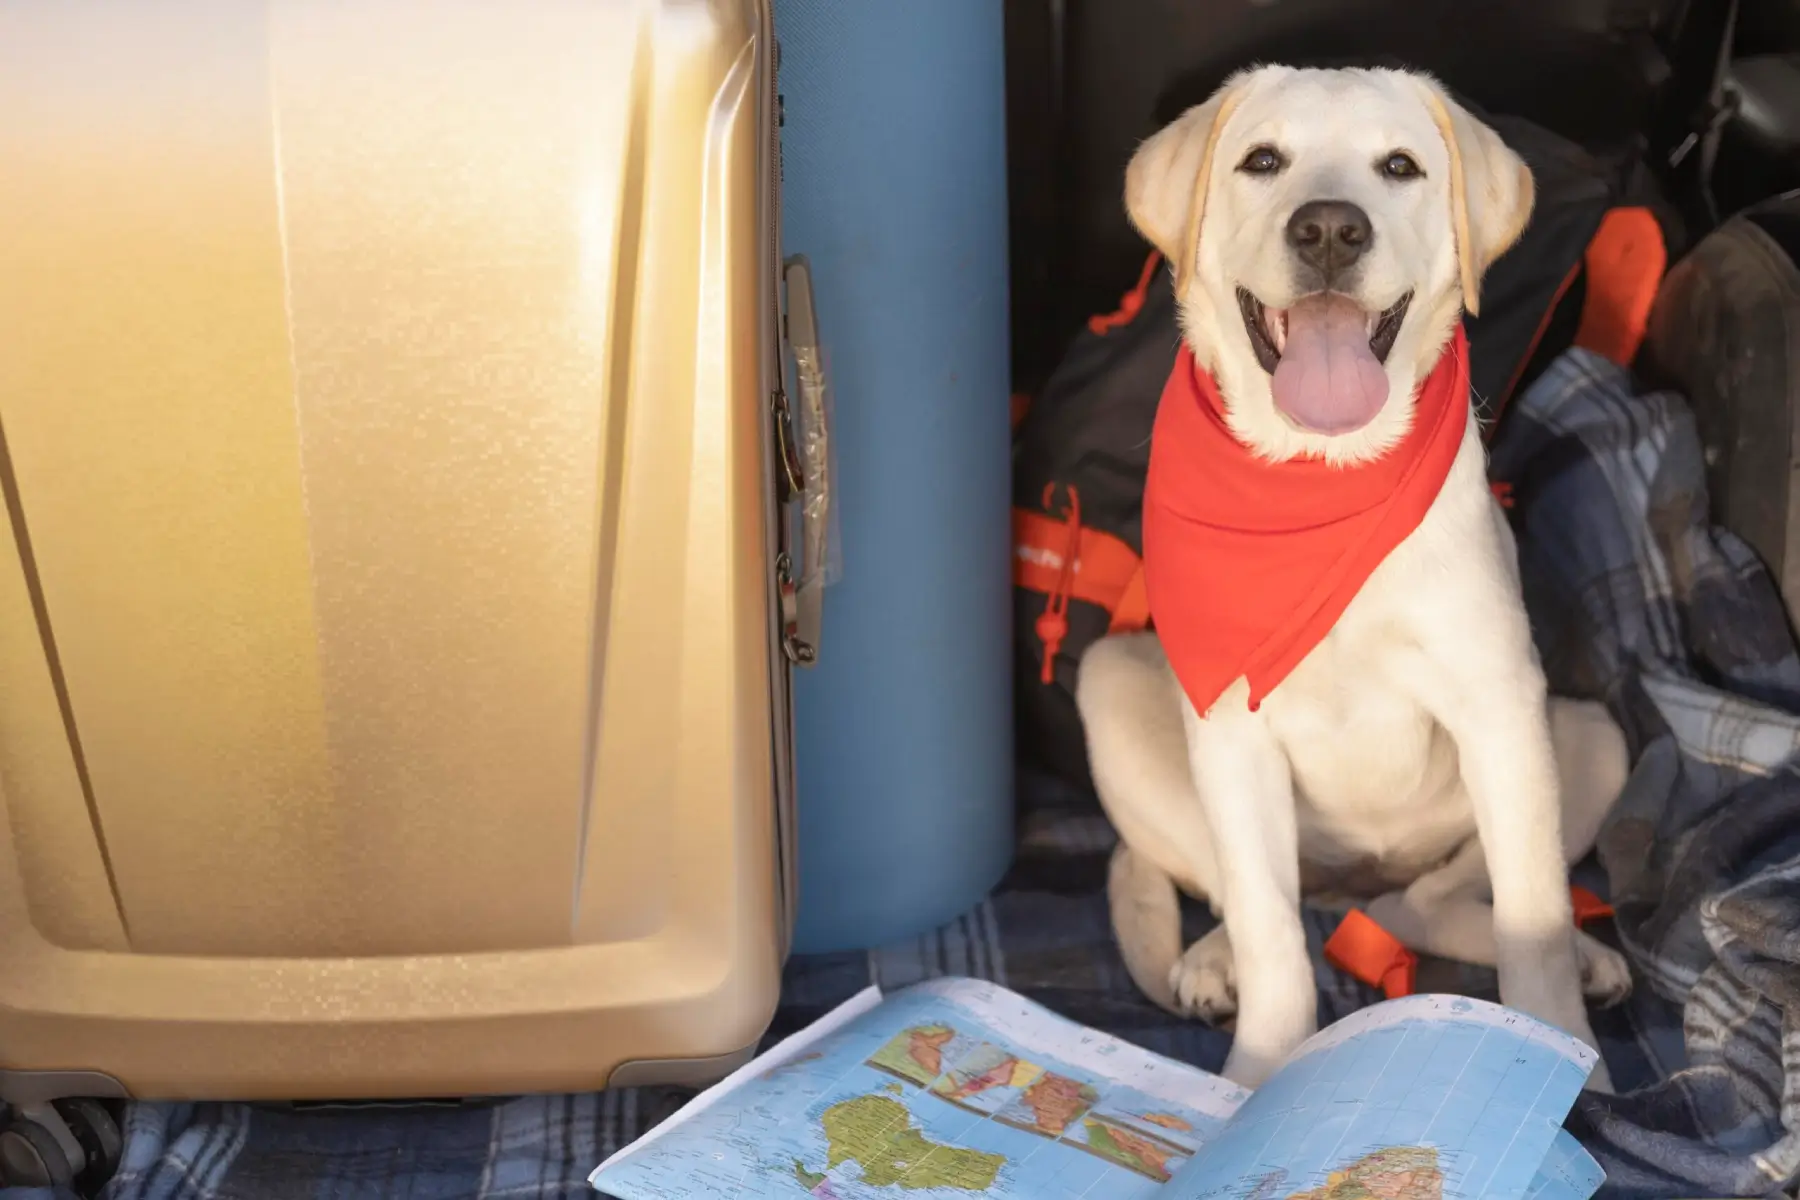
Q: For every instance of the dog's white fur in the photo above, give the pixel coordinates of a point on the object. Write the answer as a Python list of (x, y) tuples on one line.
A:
[(1414, 756)]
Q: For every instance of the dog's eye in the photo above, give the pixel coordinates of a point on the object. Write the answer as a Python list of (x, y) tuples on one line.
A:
[(1262, 160), (1400, 166)]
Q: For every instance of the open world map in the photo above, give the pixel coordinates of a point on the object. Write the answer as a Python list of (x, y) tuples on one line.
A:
[(933, 1103)]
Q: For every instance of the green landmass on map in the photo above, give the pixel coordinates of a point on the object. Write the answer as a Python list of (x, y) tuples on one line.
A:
[(808, 1179), (893, 1089), (915, 1055), (1133, 1151), (1393, 1173), (877, 1133)]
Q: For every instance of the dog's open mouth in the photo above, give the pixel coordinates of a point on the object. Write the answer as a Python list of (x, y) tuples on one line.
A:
[(1268, 327), (1325, 357)]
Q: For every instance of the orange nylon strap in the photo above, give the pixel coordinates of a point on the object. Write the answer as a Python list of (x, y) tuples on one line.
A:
[(1131, 303), (1066, 561), (1364, 950), (1624, 266), (1053, 623), (1588, 907), (1104, 564)]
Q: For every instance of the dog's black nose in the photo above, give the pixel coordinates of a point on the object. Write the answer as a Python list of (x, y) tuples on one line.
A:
[(1329, 235)]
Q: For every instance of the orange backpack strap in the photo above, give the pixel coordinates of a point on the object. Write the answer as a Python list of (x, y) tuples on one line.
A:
[(1066, 560), (1624, 267), (1365, 951), (1588, 907), (1130, 303), (1103, 568)]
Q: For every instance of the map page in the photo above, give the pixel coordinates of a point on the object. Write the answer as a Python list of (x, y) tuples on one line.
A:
[(962, 1090), (1423, 1098), (948, 1090)]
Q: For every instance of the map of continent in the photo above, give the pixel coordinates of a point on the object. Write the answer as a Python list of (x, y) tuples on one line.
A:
[(915, 1054), (1056, 1100), (987, 1068), (1394, 1173), (876, 1132), (1132, 1151)]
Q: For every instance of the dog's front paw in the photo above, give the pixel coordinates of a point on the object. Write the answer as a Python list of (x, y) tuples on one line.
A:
[(1204, 980), (1605, 973)]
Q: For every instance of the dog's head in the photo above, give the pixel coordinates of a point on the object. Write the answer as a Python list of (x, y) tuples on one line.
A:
[(1326, 229)]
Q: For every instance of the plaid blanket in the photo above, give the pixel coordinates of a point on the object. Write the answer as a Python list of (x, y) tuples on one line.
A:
[(1636, 600)]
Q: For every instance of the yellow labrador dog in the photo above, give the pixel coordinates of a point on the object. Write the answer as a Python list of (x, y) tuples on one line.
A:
[(1412, 759)]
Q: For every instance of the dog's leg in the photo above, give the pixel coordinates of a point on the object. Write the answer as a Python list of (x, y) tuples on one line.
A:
[(1243, 779), (1447, 912), (1592, 762), (1489, 692), (1137, 748), (1146, 920)]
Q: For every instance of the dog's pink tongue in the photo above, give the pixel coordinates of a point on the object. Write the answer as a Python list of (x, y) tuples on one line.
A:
[(1328, 379)]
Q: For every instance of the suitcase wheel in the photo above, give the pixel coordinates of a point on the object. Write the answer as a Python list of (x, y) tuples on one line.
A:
[(97, 1132), (31, 1157)]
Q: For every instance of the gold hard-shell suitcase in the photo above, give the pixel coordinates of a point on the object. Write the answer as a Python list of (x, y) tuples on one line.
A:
[(395, 613)]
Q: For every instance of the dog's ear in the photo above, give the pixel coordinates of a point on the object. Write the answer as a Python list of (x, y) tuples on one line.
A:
[(1165, 185), (1491, 191)]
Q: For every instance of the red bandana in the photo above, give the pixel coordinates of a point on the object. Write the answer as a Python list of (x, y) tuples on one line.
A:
[(1248, 563)]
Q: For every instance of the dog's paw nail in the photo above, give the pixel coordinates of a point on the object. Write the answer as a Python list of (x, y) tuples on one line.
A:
[(1204, 984)]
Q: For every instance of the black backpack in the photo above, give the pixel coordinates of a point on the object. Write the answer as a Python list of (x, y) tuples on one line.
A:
[(1584, 272)]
